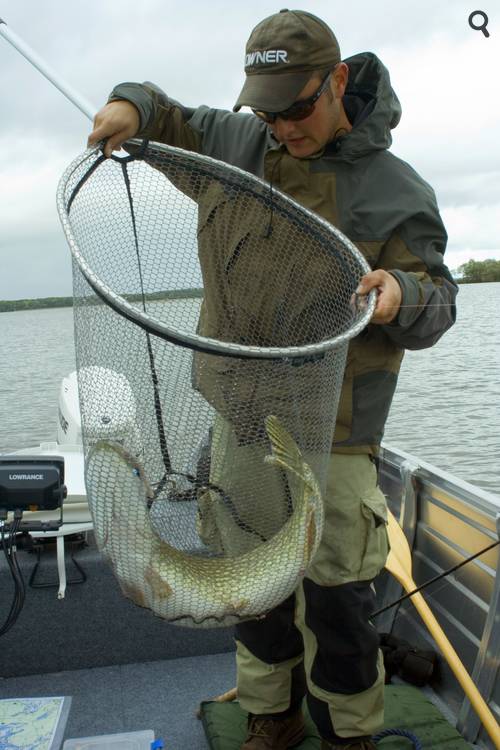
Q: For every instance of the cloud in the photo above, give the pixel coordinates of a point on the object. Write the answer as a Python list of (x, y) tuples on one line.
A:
[(472, 232), (37, 163)]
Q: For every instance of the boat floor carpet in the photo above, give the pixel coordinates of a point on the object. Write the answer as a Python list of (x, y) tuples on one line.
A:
[(162, 695), (406, 708)]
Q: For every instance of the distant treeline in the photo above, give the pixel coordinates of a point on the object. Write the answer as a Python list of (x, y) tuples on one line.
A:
[(478, 271), (159, 296), (10, 305), (34, 304)]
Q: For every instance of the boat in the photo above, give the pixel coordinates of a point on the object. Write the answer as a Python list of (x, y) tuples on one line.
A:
[(129, 671)]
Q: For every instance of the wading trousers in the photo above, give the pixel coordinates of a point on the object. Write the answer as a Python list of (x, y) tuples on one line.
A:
[(320, 642)]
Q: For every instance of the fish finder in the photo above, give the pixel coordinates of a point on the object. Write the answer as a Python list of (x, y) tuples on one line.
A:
[(32, 483)]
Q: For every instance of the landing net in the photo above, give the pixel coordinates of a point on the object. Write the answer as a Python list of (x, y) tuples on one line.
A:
[(212, 318)]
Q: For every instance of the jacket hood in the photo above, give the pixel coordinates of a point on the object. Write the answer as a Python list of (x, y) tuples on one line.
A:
[(372, 107)]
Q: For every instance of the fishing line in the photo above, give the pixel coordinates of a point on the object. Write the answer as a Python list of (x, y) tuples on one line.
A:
[(435, 579), (154, 375), (358, 297), (442, 304)]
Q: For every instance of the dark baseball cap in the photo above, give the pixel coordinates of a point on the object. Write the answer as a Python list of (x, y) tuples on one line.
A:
[(282, 53)]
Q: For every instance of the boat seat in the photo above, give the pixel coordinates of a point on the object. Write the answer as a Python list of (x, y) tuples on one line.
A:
[(406, 709)]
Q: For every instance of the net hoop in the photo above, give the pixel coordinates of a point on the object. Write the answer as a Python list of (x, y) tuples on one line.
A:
[(194, 341)]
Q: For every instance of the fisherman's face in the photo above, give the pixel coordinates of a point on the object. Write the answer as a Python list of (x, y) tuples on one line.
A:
[(304, 138)]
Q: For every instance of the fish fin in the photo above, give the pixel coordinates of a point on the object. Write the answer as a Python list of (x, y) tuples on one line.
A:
[(160, 587), (285, 451), (283, 445), (287, 455), (132, 461)]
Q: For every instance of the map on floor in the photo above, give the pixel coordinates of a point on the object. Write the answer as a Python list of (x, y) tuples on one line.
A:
[(33, 723)]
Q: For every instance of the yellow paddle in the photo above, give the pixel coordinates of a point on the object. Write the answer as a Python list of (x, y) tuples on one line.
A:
[(399, 564)]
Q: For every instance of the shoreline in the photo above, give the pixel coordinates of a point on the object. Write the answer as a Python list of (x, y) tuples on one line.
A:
[(16, 305)]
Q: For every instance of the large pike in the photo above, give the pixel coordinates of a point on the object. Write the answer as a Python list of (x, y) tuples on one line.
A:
[(190, 589)]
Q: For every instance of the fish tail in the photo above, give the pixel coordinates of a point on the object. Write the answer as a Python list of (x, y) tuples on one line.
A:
[(286, 453), (284, 448)]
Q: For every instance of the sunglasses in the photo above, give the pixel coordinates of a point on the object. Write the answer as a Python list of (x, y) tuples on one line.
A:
[(298, 110)]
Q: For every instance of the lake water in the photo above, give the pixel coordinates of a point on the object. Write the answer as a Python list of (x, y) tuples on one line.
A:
[(446, 410)]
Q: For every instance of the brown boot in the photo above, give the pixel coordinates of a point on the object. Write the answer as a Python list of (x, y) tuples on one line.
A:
[(265, 733), (356, 745)]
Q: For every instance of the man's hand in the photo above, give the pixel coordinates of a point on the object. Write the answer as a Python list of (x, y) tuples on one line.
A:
[(115, 123), (389, 295)]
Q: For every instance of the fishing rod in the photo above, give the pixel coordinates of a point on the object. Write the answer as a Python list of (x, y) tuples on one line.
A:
[(435, 579)]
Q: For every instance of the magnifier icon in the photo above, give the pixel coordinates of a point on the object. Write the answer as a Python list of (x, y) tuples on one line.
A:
[(482, 26)]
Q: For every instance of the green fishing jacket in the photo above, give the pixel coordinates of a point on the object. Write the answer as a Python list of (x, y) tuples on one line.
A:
[(387, 210)]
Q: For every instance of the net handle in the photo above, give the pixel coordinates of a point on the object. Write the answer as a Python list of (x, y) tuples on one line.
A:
[(79, 101)]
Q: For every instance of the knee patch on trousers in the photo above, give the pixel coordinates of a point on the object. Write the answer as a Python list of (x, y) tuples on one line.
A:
[(347, 643), (274, 638)]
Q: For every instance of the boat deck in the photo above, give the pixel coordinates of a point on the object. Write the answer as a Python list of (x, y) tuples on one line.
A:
[(161, 695)]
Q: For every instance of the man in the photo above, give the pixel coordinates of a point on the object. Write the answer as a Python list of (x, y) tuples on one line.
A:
[(320, 132)]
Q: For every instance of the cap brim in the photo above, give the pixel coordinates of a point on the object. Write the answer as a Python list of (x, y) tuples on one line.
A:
[(272, 92)]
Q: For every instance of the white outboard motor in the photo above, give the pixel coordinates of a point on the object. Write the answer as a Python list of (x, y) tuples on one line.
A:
[(110, 407), (69, 421)]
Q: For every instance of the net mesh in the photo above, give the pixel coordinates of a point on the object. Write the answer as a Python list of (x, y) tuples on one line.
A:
[(212, 318)]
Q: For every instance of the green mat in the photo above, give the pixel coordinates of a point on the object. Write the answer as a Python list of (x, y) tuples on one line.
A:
[(405, 708)]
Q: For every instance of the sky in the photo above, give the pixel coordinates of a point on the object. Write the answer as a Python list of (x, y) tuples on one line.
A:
[(444, 73)]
